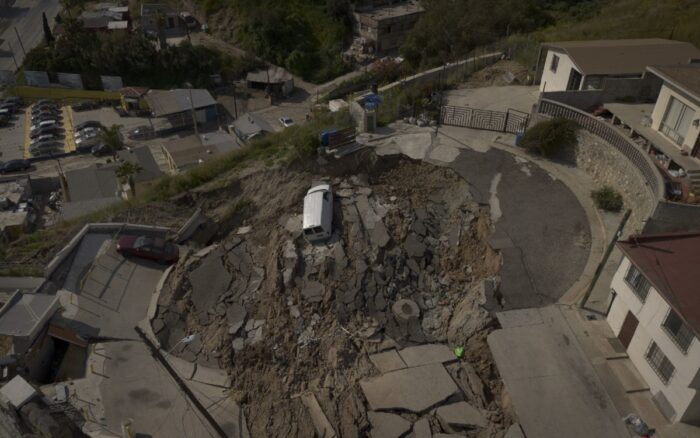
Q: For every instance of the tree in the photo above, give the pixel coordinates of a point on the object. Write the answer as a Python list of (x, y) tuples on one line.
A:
[(48, 36), (112, 138), (126, 172), (550, 136)]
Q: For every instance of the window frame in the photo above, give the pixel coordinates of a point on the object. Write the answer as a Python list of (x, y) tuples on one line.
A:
[(554, 63), (635, 287), (670, 128), (663, 360), (675, 336)]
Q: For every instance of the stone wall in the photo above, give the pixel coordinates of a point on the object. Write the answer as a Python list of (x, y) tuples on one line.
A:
[(607, 166)]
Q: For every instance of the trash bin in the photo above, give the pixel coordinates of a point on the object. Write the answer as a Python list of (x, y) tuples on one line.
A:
[(519, 138)]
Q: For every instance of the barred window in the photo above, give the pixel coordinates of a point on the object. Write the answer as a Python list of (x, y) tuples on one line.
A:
[(639, 284), (555, 63), (659, 362), (678, 331)]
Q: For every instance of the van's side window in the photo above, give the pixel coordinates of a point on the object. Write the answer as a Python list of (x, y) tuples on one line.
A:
[(318, 230), (325, 196)]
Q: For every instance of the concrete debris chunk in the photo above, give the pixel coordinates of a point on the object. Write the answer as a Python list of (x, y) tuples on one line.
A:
[(313, 291), (414, 246), (385, 425), (406, 309), (426, 354), (459, 416), (387, 361), (421, 429), (321, 424), (235, 316), (209, 280), (411, 389)]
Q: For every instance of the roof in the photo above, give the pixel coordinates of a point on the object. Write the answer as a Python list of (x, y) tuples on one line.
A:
[(625, 57), (190, 151), (101, 22), (116, 25), (25, 311), (393, 11), (313, 206), (249, 124), (18, 391), (134, 92), (152, 8), (93, 182), (167, 102), (669, 261), (142, 156), (685, 77), (276, 75)]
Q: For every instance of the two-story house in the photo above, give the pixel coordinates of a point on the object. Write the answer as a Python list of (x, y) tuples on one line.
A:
[(655, 314)]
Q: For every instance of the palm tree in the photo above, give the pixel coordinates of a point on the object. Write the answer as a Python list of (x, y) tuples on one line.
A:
[(126, 172), (112, 138)]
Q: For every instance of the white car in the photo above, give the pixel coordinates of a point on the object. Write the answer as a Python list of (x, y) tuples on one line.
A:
[(44, 124), (286, 122), (87, 137), (85, 132), (43, 138)]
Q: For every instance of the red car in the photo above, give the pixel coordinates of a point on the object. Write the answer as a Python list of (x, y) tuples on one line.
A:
[(153, 248)]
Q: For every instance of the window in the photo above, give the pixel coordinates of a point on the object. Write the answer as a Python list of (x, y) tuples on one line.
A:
[(555, 63), (659, 362), (677, 120), (679, 332), (640, 286)]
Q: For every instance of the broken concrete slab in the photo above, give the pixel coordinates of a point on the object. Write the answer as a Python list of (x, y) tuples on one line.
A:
[(459, 416), (414, 246), (386, 425), (514, 431), (387, 361), (313, 291), (379, 235), (321, 424), (427, 354), (411, 389), (211, 376), (209, 280), (235, 317), (421, 429)]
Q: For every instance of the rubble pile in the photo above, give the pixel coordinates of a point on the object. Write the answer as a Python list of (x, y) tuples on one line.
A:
[(360, 334)]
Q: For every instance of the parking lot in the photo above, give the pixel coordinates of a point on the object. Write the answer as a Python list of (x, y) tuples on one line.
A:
[(12, 139), (108, 117)]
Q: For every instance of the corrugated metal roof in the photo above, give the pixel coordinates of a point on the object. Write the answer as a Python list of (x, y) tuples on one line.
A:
[(167, 102), (670, 263), (625, 57)]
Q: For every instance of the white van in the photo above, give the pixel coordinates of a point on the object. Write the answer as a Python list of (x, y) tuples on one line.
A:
[(318, 213)]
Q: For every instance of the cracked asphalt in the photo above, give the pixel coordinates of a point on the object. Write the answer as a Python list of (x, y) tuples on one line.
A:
[(543, 233)]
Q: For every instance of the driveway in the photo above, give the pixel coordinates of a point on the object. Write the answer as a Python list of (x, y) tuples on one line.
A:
[(25, 16), (553, 386)]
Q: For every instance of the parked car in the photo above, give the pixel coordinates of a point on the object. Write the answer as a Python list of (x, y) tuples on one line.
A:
[(140, 133), (15, 166), (42, 138), (86, 144), (101, 149), (153, 248), (45, 107), (85, 106), (11, 105), (45, 116), (86, 137), (15, 99), (7, 112), (44, 124), (286, 122), (88, 124), (44, 151), (43, 131)]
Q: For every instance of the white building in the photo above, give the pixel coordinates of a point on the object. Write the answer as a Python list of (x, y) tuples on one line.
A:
[(585, 65), (655, 314)]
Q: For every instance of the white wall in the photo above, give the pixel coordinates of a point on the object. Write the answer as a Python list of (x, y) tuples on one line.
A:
[(660, 110), (558, 81), (651, 315)]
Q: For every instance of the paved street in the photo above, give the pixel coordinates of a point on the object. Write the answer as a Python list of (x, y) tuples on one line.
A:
[(25, 15)]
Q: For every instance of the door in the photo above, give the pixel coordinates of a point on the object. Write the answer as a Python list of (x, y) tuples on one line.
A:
[(628, 329)]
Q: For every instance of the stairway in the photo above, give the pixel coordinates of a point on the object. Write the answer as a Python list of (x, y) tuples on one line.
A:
[(694, 177)]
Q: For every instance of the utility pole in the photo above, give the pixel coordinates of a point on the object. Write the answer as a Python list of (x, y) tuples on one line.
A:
[(194, 117), (183, 386), (20, 43), (13, 55)]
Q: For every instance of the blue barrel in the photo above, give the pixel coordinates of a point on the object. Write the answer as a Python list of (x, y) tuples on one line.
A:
[(519, 138)]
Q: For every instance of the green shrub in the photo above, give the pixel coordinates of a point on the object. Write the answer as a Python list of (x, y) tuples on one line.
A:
[(607, 199), (551, 136)]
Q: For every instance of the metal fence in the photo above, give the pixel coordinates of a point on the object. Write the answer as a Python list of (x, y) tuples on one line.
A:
[(512, 121), (614, 137)]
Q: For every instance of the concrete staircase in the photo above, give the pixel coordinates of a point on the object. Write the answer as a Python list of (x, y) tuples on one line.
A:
[(694, 177)]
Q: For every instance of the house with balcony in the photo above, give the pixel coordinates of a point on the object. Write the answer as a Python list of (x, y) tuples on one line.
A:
[(655, 314), (618, 65), (668, 128)]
